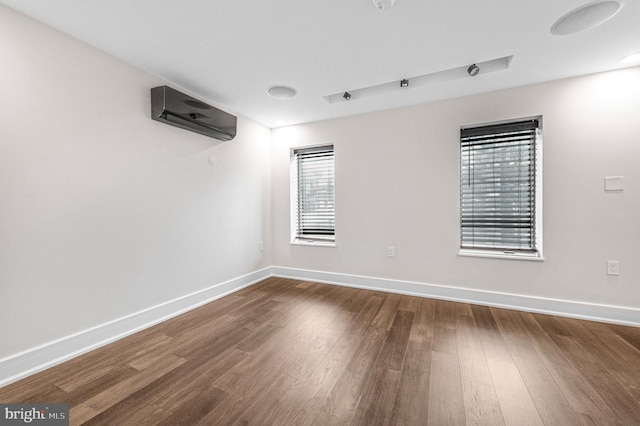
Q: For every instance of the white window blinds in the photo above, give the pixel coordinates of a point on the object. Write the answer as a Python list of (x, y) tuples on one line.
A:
[(498, 187), (315, 204)]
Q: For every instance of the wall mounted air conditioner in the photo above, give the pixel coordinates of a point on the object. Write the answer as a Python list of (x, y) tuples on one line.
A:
[(173, 107)]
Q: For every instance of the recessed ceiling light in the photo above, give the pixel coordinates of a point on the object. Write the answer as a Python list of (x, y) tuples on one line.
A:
[(586, 17), (630, 59), (383, 4), (281, 92)]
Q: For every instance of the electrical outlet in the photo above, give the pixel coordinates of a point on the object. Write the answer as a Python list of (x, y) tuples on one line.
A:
[(613, 267), (261, 246), (391, 252)]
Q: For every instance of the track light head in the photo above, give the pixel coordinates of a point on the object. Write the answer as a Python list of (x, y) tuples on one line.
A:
[(473, 70), (346, 96), (404, 83)]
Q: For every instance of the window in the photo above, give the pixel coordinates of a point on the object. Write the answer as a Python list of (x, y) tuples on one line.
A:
[(313, 194), (500, 188)]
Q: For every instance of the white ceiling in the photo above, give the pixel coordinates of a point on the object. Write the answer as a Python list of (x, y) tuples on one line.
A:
[(230, 51)]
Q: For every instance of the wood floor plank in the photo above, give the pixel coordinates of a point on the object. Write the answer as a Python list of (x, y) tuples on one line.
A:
[(289, 352), (261, 375), (493, 343), (147, 414), (206, 312), (446, 402), (296, 337), (392, 354), (304, 364), (413, 387), (40, 390), (80, 378), (354, 301), (624, 406), (628, 334), (625, 358), (262, 402), (376, 404), (551, 403), (345, 395), (622, 360), (445, 340), (173, 388), (320, 384), (478, 391), (446, 318), (126, 387), (516, 405), (575, 387), (259, 337), (101, 384), (122, 389), (378, 396), (387, 312), (197, 406), (82, 414), (193, 375)]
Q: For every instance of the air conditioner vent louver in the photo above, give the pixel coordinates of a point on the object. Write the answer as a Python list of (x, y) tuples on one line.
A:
[(177, 109)]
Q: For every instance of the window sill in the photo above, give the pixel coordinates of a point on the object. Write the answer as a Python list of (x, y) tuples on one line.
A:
[(317, 243), (497, 255)]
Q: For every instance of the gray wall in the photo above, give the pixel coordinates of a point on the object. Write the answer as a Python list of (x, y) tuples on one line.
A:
[(104, 212), (397, 184)]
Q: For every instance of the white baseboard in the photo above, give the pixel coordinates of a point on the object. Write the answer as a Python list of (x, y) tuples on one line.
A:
[(565, 308), (23, 364)]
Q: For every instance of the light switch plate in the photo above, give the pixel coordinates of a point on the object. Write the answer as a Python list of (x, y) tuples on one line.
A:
[(614, 183)]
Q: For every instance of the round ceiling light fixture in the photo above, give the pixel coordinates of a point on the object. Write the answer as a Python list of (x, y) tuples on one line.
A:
[(383, 4), (281, 92), (586, 17)]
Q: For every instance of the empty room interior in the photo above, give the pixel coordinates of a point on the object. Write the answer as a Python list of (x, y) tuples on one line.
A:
[(323, 213)]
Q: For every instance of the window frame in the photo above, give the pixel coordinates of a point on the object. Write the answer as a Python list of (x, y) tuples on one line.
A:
[(536, 180), (295, 176)]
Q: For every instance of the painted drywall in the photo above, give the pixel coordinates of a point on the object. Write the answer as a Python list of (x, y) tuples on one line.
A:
[(397, 184), (103, 211)]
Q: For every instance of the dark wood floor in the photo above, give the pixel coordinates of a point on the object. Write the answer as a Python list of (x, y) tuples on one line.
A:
[(287, 352)]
